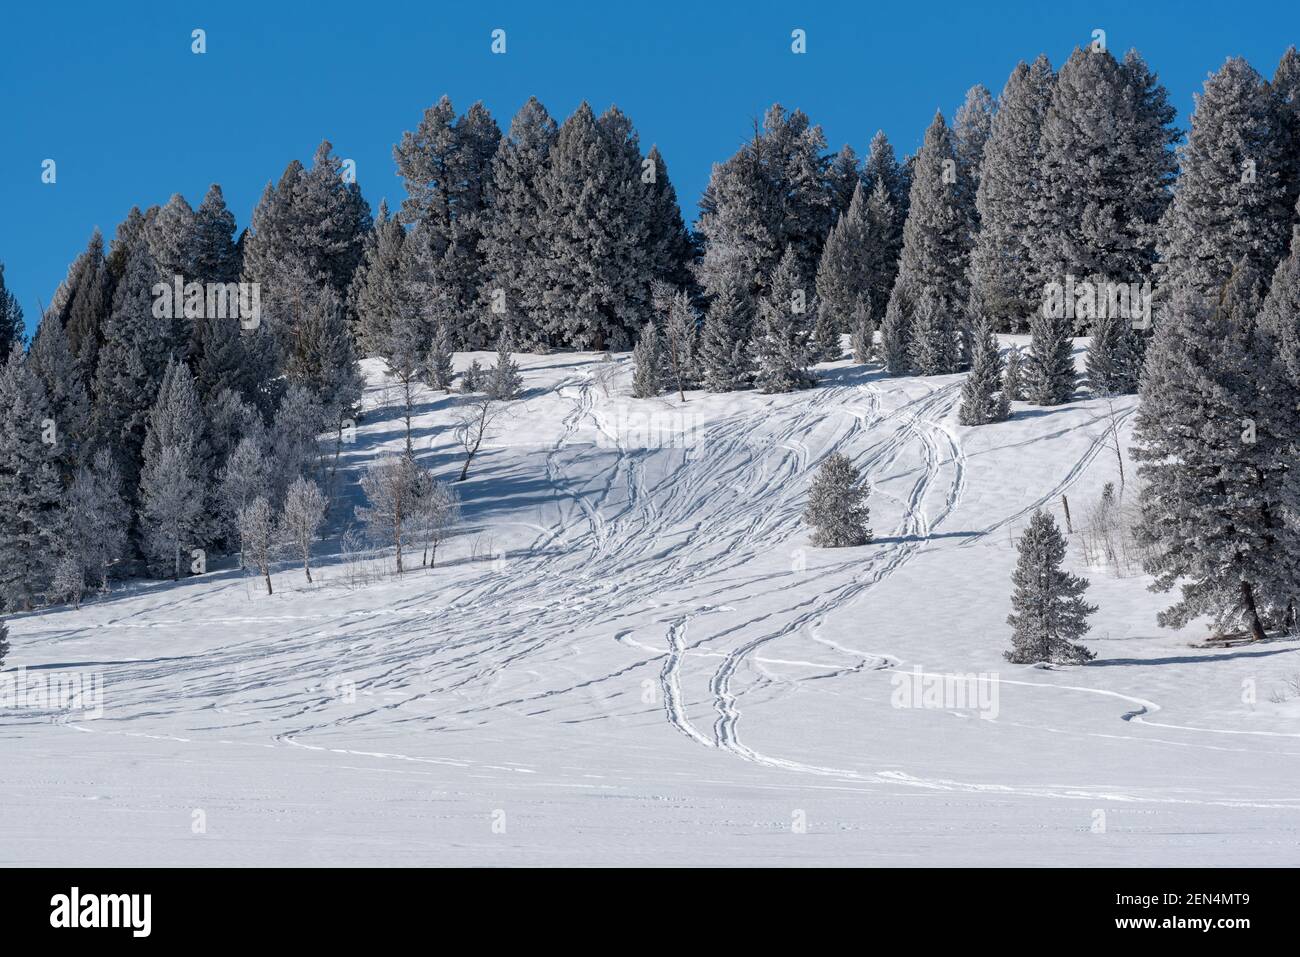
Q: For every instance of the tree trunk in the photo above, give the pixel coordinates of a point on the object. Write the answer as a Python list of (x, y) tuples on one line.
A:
[(1252, 612), (267, 573)]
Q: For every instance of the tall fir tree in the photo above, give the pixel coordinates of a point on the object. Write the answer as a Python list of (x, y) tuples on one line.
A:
[(1050, 377), (1048, 613), (1003, 285), (983, 398), (844, 274), (13, 332), (782, 331), (725, 361)]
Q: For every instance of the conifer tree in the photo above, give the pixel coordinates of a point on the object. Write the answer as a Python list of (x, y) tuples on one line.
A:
[(1215, 452), (781, 332), (648, 363), (65, 391), (1002, 283), (504, 381), (843, 176), (83, 303), (93, 522), (862, 334), (680, 324), (1115, 356), (1048, 613), (513, 250), (933, 348), (13, 335), (1013, 377), (896, 331), (844, 274), (4, 643), (29, 487), (972, 125), (837, 505), (438, 371), (1233, 200), (724, 357), (983, 399), (1050, 377)]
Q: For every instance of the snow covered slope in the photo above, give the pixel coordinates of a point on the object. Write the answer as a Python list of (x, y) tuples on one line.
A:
[(630, 654)]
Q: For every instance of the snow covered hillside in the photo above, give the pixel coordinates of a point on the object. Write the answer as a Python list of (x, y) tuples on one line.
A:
[(629, 653)]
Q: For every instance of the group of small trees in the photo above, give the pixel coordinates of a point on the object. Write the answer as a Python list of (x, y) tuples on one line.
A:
[(407, 508)]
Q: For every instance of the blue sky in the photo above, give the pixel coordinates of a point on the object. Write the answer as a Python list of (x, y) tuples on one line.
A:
[(114, 94)]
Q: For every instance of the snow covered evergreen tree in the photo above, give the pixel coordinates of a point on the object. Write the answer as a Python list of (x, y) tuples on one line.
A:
[(513, 249), (896, 331), (438, 371), (933, 348), (1049, 376), (845, 272), (781, 332), (837, 505), (93, 522), (1115, 356), (936, 247), (1003, 285), (983, 399), (843, 177), (1215, 451), (1013, 377), (504, 381), (174, 476), (887, 185), (1104, 168), (65, 391), (862, 333), (648, 363), (972, 125), (295, 439), (13, 334), (29, 487), (724, 358), (680, 324), (1048, 612), (83, 303), (1233, 200)]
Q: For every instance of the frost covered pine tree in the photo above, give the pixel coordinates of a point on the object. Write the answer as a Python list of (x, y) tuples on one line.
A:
[(725, 362), (680, 325), (1115, 355), (1049, 376), (862, 333), (1003, 286), (936, 247), (301, 518), (648, 363), (781, 332), (983, 397), (29, 487), (13, 334), (1048, 613), (844, 275), (896, 331), (1215, 451), (972, 125), (1233, 200), (933, 348), (504, 381), (438, 370), (1013, 376), (173, 479), (52, 360), (837, 507)]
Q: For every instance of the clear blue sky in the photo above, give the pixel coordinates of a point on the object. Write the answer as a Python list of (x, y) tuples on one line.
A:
[(112, 92)]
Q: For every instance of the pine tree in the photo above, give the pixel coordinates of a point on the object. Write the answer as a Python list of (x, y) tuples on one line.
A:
[(301, 519), (514, 255), (671, 244), (1002, 284), (13, 335), (862, 334), (173, 479), (1013, 377), (1233, 200), (680, 324), (92, 525), (504, 381), (933, 346), (438, 371), (887, 185), (1104, 168), (844, 274), (1050, 377), (648, 363), (724, 357), (295, 439), (1115, 356), (1215, 451), (83, 303), (972, 125), (843, 177), (1048, 611), (983, 399), (29, 487), (781, 332), (65, 391), (936, 245), (837, 505), (896, 331)]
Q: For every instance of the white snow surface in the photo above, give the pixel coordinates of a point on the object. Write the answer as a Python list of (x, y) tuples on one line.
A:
[(629, 654)]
